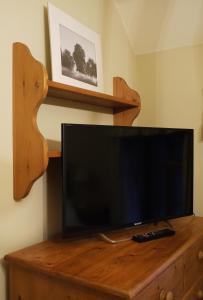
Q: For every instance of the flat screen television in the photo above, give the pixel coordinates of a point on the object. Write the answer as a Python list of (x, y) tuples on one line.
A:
[(117, 176)]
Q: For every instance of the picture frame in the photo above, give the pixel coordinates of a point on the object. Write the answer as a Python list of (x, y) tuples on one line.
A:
[(76, 57)]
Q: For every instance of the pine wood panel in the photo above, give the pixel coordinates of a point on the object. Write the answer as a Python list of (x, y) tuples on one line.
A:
[(25, 285), (196, 290), (54, 154), (122, 90), (30, 149), (193, 263), (165, 283), (124, 269), (59, 90)]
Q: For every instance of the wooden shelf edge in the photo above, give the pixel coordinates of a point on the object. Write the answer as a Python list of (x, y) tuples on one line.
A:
[(54, 154), (67, 92)]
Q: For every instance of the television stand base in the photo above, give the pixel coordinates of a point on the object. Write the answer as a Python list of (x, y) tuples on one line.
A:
[(108, 240), (166, 222), (113, 241), (169, 224)]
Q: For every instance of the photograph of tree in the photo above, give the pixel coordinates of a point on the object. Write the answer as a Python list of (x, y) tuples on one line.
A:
[(78, 57)]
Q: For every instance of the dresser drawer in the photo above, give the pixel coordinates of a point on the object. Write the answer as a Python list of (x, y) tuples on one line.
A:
[(193, 264), (30, 285), (196, 291), (168, 285)]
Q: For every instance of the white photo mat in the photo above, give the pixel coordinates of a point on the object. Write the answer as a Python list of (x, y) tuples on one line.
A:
[(83, 70)]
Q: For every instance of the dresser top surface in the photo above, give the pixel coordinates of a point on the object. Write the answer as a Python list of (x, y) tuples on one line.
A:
[(123, 269)]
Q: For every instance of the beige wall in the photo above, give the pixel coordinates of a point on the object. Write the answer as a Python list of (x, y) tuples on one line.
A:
[(170, 83), (25, 222), (118, 56)]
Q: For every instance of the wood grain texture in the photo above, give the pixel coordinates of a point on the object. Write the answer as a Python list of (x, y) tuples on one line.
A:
[(68, 92), (27, 285), (127, 270), (54, 154), (196, 290), (164, 284), (30, 149), (192, 264), (121, 90)]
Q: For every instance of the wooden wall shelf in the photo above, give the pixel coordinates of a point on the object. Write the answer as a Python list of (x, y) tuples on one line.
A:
[(54, 154), (30, 88), (67, 92)]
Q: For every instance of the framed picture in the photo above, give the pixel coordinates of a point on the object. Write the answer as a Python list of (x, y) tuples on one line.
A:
[(75, 52)]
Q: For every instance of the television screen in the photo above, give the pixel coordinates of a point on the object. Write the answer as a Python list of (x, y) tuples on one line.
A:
[(116, 176)]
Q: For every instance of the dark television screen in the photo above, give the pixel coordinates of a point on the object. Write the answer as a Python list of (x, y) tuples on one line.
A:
[(115, 176)]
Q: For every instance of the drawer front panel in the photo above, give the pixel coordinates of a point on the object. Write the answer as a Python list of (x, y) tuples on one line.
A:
[(30, 285), (196, 292), (170, 282), (193, 264)]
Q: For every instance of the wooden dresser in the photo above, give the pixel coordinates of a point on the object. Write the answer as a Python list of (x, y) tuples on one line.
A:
[(91, 269)]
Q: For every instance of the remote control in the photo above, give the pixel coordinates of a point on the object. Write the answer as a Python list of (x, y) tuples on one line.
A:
[(153, 235)]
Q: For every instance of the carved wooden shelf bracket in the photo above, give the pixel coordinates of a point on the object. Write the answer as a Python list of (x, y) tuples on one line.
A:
[(30, 87), (30, 149)]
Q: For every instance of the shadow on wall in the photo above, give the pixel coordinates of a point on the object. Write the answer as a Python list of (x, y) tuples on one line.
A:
[(6, 181), (54, 198), (47, 43), (199, 77), (3, 264), (147, 82), (200, 133)]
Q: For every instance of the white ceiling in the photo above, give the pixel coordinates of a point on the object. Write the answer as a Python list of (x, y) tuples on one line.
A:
[(154, 25)]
